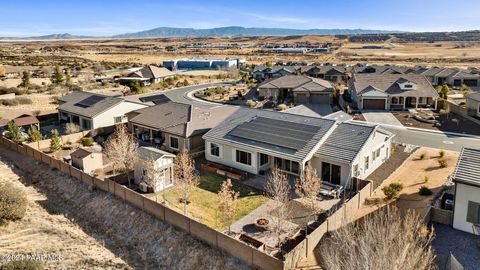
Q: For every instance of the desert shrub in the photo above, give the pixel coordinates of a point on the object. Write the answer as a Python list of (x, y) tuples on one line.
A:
[(22, 265), (441, 153), (422, 156), (281, 107), (9, 102), (251, 103), (13, 203), (442, 163), (71, 128), (23, 100), (425, 179), (87, 141), (392, 191), (424, 191)]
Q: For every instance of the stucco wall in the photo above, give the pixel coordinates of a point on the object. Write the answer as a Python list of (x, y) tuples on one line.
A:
[(227, 157), (463, 194), (106, 118)]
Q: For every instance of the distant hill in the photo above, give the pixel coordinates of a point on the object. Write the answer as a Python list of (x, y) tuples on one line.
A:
[(242, 31), (212, 32)]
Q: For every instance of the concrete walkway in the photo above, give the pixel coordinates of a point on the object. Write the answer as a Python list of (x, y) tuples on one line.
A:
[(381, 117)]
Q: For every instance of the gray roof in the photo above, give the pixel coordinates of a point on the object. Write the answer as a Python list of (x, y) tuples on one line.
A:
[(72, 103), (222, 131), (345, 142), (339, 116), (467, 170), (152, 72), (474, 96), (180, 119), (152, 153), (388, 83), (298, 83)]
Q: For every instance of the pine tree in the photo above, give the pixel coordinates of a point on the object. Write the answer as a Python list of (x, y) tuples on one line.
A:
[(55, 141), (57, 76), (34, 134), (13, 132), (25, 79)]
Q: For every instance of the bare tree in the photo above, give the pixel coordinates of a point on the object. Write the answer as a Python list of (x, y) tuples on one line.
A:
[(152, 173), (384, 240), (121, 149), (307, 187), (227, 203), (278, 188), (185, 177), (71, 128)]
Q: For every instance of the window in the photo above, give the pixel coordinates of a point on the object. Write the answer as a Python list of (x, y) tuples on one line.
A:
[(421, 100), (186, 144), (214, 150), (263, 159), (378, 152), (243, 157), (473, 212), (373, 156), (331, 173), (86, 124), (118, 119), (395, 100), (174, 143), (367, 163), (407, 86), (355, 170), (287, 165)]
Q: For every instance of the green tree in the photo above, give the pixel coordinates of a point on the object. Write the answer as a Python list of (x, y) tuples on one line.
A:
[(34, 134), (68, 78), (443, 93), (55, 141), (268, 64), (135, 87), (57, 76), (25, 79), (13, 132)]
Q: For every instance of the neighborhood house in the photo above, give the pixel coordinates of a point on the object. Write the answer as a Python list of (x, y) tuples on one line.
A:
[(297, 89), (392, 91), (466, 214), (147, 75), (91, 111), (473, 104), (255, 141)]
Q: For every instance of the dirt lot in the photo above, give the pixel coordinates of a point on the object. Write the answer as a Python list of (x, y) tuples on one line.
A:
[(412, 176), (92, 229)]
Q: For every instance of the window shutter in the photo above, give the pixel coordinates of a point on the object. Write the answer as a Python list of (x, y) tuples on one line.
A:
[(472, 212)]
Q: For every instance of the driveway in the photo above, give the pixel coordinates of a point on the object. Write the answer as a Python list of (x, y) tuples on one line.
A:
[(312, 110), (381, 117)]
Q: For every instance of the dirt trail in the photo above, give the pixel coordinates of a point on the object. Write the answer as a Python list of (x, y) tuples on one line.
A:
[(92, 229)]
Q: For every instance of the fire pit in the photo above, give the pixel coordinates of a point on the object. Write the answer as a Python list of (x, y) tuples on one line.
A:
[(262, 224)]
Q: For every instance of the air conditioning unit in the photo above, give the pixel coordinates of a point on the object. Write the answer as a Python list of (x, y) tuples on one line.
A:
[(143, 187)]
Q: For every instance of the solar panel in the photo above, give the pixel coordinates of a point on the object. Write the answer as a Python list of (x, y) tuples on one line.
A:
[(90, 101), (276, 132), (156, 99)]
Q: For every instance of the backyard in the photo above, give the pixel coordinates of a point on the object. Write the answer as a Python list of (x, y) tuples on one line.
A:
[(204, 201)]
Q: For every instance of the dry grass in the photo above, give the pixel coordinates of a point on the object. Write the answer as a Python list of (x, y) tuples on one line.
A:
[(94, 230)]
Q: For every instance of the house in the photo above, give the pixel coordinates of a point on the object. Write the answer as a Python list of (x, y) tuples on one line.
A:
[(254, 141), (163, 169), (87, 160), (147, 75), (392, 91), (473, 104), (466, 214), (452, 76), (298, 89), (24, 121), (264, 72), (176, 127), (329, 73), (92, 111)]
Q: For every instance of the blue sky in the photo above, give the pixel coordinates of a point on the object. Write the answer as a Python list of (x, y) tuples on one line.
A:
[(108, 17)]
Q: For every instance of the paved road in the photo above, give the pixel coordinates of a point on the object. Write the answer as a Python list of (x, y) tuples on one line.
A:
[(403, 135), (381, 118), (432, 139), (184, 94)]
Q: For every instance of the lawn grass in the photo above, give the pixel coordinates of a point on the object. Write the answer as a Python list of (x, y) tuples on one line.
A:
[(204, 200)]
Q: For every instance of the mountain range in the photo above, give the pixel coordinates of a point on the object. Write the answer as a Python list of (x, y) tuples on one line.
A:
[(213, 32)]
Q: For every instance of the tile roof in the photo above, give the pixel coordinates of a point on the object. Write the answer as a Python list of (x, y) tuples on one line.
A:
[(466, 171), (345, 142), (388, 83), (71, 103), (243, 115), (298, 83), (181, 119)]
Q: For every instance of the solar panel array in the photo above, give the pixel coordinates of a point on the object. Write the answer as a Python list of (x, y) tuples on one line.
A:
[(276, 132), (90, 101), (156, 99)]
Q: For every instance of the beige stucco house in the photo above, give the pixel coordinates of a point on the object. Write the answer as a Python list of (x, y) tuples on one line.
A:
[(87, 160)]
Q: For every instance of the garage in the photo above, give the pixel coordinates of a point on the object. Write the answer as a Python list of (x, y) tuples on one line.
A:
[(320, 98), (374, 104), (301, 99), (470, 82)]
